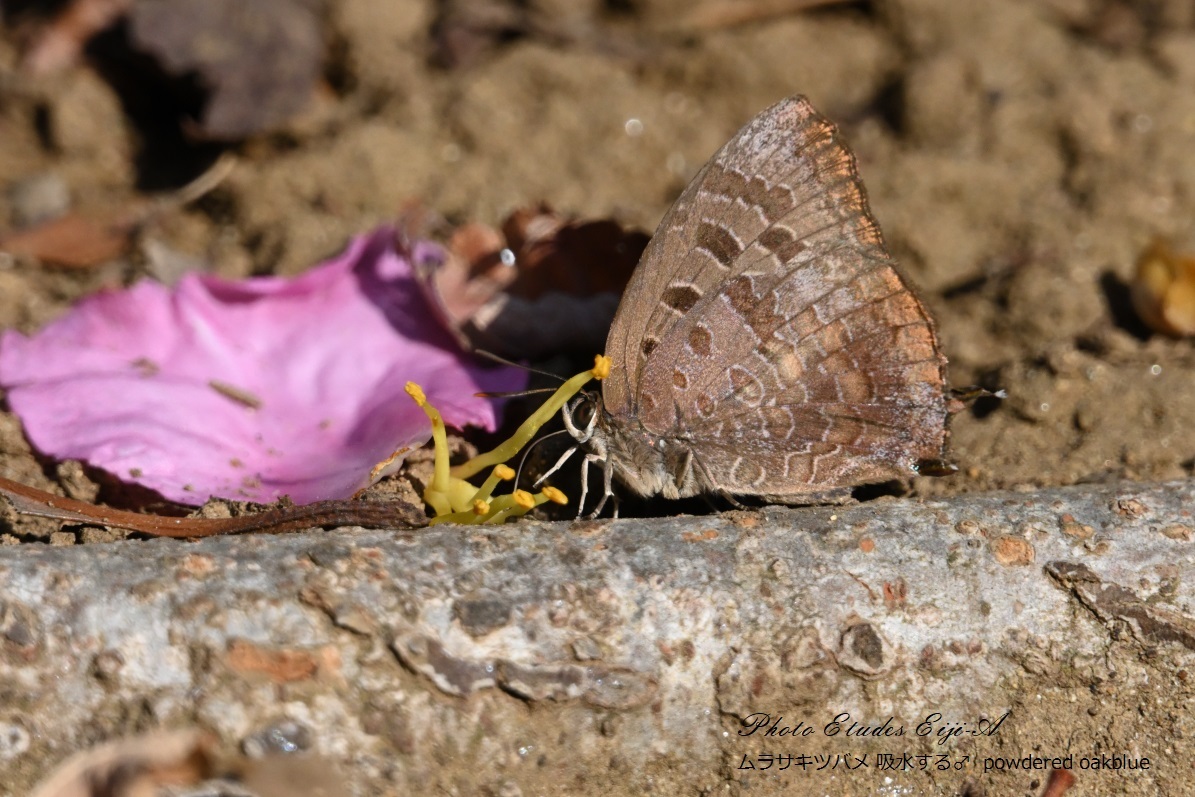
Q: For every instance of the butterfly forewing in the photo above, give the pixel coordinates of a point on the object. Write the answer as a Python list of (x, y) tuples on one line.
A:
[(767, 328)]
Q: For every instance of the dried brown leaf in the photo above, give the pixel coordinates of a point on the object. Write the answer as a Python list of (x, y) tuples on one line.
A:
[(73, 240), (132, 767), (545, 284), (77, 240), (1059, 783), (260, 61), (59, 44)]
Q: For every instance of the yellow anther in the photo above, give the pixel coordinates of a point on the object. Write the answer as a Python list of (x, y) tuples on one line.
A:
[(524, 499), (416, 392), (554, 495), (499, 473), (481, 507), (601, 366)]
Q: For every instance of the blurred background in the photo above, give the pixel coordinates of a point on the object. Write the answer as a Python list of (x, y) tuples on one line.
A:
[(1021, 157)]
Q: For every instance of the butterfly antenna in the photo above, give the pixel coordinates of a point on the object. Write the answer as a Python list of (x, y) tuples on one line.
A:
[(489, 355), (515, 393)]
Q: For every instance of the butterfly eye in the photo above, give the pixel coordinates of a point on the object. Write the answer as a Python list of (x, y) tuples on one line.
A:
[(584, 408)]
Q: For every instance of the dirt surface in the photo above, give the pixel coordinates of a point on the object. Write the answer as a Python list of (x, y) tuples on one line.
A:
[(1019, 156)]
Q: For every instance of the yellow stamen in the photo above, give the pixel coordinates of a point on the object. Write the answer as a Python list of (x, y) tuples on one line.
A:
[(455, 500), (437, 493), (529, 427), (500, 473)]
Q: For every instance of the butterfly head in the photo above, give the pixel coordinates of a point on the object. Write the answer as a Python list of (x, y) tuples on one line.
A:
[(645, 463)]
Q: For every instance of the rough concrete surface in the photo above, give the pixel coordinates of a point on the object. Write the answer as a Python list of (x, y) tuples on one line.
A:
[(632, 656)]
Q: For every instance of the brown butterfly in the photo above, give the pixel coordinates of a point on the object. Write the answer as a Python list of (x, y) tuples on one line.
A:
[(766, 344)]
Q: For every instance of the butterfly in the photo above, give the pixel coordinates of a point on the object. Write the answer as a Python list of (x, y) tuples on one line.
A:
[(767, 344)]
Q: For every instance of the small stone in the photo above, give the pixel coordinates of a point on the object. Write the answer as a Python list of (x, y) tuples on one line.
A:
[(354, 618), (609, 725), (1129, 507), (1178, 531), (863, 650), (107, 665), (505, 789), (91, 536), (282, 736), (482, 612), (585, 649), (969, 527), (38, 198), (1072, 528), (62, 538), (168, 264), (1012, 551)]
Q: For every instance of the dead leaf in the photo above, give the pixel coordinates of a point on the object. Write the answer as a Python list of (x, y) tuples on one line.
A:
[(260, 61), (1058, 783), (544, 284), (148, 765), (73, 240), (77, 240), (133, 767), (59, 44)]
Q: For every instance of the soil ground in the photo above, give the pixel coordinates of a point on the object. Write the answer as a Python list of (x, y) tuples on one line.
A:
[(1019, 157)]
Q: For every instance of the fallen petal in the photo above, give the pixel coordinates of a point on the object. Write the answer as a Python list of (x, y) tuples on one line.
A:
[(248, 390)]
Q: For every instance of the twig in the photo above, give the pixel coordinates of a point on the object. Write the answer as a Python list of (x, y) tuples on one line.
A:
[(718, 14), (28, 500)]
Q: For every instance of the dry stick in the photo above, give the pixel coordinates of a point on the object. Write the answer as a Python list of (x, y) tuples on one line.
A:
[(28, 500), (91, 240), (718, 14)]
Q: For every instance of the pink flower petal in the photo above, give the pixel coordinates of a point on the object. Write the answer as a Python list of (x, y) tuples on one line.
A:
[(248, 390)]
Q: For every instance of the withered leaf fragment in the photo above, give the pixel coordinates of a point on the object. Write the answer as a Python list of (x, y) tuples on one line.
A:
[(544, 284)]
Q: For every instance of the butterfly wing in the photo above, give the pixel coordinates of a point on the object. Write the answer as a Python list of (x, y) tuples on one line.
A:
[(767, 328)]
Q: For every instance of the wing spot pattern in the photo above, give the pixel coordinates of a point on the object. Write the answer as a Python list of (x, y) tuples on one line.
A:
[(719, 243), (680, 297)]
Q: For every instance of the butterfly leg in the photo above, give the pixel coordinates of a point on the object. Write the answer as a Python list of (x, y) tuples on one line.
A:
[(607, 482), (563, 458), (584, 484), (728, 498), (608, 475)]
